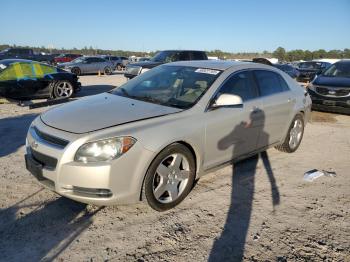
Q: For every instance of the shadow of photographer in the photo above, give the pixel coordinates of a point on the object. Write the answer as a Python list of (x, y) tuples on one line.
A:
[(231, 244)]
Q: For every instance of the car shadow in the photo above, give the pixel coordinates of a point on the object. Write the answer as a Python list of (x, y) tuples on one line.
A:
[(13, 131), (91, 90), (45, 232), (230, 245)]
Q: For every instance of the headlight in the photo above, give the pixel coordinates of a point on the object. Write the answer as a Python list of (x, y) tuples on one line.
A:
[(104, 150), (310, 86)]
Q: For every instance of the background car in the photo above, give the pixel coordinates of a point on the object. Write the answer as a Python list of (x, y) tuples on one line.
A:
[(308, 70), (152, 137), (330, 91), (119, 62), (26, 53), (88, 65), (64, 58), (26, 79), (163, 57), (290, 70)]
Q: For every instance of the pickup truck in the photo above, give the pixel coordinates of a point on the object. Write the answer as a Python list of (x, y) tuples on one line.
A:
[(26, 53), (163, 57)]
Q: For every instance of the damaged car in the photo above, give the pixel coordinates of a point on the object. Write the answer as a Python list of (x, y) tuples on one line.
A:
[(152, 137), (26, 79), (330, 91)]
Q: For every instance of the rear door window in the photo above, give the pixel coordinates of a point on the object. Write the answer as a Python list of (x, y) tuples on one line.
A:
[(270, 83), (240, 84)]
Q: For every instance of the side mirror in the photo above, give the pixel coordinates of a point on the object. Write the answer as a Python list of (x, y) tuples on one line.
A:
[(228, 100)]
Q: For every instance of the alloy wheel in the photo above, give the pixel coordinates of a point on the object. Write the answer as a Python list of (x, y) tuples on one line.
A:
[(295, 133), (171, 178)]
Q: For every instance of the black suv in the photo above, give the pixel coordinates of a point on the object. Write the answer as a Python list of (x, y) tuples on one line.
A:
[(163, 57), (330, 91), (308, 70)]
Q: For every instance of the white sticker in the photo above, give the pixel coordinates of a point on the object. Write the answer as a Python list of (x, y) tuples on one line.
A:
[(207, 71), (2, 66)]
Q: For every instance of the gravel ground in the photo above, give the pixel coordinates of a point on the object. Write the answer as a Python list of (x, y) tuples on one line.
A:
[(258, 210)]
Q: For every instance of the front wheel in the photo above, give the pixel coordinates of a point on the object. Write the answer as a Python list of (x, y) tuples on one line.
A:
[(170, 177), (294, 136), (76, 71)]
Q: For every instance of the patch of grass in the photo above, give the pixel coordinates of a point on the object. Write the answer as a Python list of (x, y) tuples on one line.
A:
[(4, 101)]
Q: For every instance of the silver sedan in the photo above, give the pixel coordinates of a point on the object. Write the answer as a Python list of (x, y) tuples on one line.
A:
[(151, 138), (88, 65)]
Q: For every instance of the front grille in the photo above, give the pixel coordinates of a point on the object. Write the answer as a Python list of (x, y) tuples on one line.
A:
[(47, 161), (51, 139), (325, 91)]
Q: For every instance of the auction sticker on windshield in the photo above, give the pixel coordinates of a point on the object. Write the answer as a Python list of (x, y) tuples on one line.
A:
[(207, 71)]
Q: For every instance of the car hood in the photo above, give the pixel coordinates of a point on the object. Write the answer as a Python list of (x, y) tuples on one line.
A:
[(332, 81), (146, 64), (102, 111)]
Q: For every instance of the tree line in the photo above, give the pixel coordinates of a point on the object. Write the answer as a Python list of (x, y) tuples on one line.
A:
[(280, 53)]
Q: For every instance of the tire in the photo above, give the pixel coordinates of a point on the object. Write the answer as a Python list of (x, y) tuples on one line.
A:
[(107, 71), (119, 67), (76, 71), (294, 135), (170, 177), (62, 89)]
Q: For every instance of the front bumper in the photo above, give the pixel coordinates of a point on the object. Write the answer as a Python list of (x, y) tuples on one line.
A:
[(106, 183), (331, 104)]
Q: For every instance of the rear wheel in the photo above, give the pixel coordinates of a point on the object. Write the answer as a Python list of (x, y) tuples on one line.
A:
[(170, 177), (294, 136), (76, 71), (63, 89), (107, 71)]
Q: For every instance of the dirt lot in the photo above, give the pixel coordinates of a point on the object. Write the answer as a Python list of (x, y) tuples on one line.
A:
[(259, 210)]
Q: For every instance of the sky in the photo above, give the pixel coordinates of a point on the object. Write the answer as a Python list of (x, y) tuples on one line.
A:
[(149, 25)]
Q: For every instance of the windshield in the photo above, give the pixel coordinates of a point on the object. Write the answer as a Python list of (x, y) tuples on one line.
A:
[(78, 60), (310, 65), (174, 86), (164, 57), (338, 70)]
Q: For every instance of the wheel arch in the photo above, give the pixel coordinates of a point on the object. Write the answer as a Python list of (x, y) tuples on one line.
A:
[(182, 142)]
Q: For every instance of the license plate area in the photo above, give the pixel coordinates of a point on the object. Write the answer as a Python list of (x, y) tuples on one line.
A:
[(34, 167)]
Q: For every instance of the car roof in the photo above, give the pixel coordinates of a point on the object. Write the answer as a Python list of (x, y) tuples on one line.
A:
[(344, 61), (212, 64)]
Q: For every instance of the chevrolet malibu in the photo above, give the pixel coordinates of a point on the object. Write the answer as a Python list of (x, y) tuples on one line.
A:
[(152, 137)]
